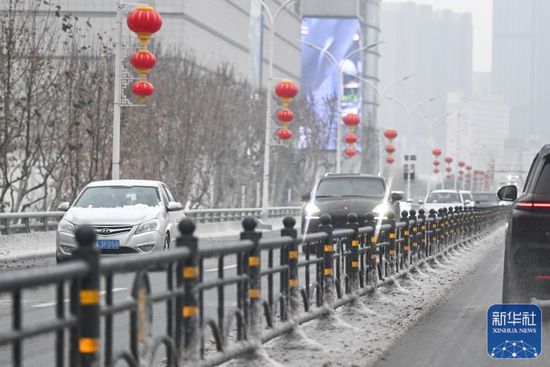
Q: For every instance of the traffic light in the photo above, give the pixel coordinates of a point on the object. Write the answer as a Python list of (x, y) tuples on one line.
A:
[(409, 167)]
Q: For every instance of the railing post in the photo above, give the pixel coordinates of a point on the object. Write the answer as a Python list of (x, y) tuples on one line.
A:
[(328, 256), (414, 236), (441, 237), (89, 298), (293, 295), (423, 239), (451, 226), (372, 240), (433, 238), (189, 273), (392, 246), (405, 240), (255, 282), (353, 247)]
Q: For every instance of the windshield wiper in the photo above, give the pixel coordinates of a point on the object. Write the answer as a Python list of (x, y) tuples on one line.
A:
[(323, 196)]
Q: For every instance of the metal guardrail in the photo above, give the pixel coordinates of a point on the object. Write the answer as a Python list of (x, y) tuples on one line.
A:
[(26, 222), (276, 289)]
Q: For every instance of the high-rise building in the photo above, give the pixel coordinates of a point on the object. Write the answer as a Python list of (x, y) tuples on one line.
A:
[(478, 130), (435, 47), (521, 55)]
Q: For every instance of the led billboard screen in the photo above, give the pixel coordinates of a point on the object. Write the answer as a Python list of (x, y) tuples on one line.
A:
[(320, 76)]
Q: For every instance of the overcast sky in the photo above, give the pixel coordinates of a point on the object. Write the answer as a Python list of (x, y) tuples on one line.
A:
[(483, 25)]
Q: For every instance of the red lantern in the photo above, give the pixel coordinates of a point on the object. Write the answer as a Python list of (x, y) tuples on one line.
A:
[(142, 89), (350, 152), (448, 160), (390, 148), (286, 90), (436, 152), (461, 164), (436, 170), (390, 134), (468, 168), (351, 119), (284, 134), (390, 160), (350, 138), (436, 163), (448, 169), (449, 177), (143, 61), (285, 115), (461, 172), (144, 21)]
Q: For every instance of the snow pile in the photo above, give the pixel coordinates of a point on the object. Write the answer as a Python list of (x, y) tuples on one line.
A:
[(357, 335)]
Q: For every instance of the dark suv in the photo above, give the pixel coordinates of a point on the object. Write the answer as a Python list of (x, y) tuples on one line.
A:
[(527, 253), (341, 194)]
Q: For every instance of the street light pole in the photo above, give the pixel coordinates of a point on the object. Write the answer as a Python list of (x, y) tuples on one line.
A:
[(267, 138), (115, 169), (340, 69), (381, 94)]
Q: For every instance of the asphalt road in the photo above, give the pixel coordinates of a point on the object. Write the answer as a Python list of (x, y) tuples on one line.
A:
[(454, 334)]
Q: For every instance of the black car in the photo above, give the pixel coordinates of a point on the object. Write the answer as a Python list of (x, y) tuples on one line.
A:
[(485, 199), (527, 253), (341, 194)]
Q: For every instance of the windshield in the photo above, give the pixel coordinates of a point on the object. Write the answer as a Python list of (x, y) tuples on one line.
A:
[(117, 197), (351, 186), (485, 197), (443, 197)]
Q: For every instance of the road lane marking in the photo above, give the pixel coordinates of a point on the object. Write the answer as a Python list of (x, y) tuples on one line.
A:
[(224, 268), (51, 304)]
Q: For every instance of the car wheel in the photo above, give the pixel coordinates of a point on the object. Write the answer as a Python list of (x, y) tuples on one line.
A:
[(167, 242)]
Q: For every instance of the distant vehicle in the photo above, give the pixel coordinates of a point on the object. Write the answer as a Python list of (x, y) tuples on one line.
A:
[(341, 194), (527, 249), (485, 199), (439, 199), (129, 216), (467, 198), (406, 205)]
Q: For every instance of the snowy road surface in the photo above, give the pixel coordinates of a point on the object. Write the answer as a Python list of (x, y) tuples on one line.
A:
[(454, 334), (434, 318)]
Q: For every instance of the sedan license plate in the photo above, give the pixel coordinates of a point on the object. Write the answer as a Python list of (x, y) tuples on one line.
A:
[(107, 244)]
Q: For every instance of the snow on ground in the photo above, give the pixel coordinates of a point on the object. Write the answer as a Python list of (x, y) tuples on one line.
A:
[(358, 335)]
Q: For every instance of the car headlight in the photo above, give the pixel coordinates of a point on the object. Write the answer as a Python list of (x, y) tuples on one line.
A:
[(312, 211), (381, 210), (150, 226), (65, 226)]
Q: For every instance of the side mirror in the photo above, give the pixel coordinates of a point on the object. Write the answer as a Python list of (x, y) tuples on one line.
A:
[(174, 206), (420, 201), (395, 196), (467, 202), (306, 197), (508, 193), (63, 207)]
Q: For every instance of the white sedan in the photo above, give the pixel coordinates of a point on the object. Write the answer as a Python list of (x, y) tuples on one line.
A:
[(129, 216)]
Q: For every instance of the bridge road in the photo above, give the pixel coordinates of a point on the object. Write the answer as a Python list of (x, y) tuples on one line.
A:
[(454, 334)]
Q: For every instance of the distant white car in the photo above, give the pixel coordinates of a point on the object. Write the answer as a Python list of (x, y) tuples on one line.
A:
[(129, 216), (467, 198), (439, 199)]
